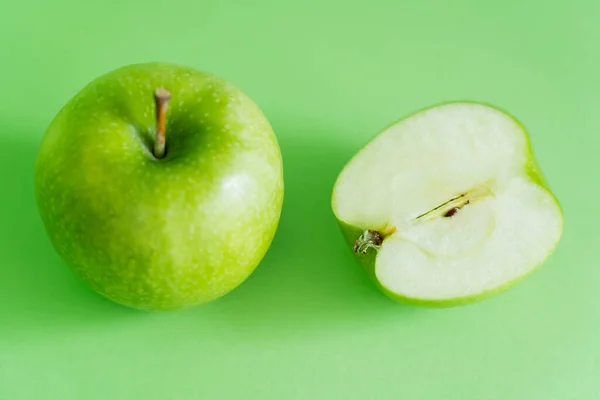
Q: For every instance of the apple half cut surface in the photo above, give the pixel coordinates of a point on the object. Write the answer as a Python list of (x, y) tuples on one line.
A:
[(448, 206)]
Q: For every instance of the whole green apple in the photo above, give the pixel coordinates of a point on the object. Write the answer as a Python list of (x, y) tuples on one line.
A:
[(161, 185), (448, 206)]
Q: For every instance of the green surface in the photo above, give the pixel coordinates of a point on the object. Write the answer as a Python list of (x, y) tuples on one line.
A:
[(308, 324)]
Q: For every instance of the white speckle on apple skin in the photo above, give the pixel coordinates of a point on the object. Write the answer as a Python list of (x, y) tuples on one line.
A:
[(160, 234)]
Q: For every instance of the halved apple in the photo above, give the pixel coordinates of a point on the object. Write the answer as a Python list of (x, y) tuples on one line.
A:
[(448, 205)]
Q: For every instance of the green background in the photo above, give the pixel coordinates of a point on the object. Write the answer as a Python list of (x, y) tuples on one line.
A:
[(308, 324)]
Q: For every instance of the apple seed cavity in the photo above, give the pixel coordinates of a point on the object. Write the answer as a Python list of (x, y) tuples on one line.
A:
[(371, 238)]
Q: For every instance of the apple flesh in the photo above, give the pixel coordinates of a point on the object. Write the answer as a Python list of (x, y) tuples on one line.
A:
[(448, 205), (167, 232)]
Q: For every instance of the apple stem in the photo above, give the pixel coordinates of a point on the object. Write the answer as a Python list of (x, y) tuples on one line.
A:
[(161, 99)]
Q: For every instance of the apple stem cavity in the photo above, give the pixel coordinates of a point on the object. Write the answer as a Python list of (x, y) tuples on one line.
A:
[(161, 99)]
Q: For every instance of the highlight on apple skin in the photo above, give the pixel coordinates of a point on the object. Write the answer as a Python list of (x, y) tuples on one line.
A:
[(448, 206), (160, 185)]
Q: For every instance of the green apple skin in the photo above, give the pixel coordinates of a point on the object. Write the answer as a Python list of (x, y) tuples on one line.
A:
[(367, 261), (160, 234)]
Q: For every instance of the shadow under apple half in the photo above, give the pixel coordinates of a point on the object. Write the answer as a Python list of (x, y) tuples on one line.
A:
[(448, 205)]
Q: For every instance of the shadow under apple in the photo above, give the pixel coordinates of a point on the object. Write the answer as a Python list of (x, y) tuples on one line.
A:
[(309, 276), (308, 279)]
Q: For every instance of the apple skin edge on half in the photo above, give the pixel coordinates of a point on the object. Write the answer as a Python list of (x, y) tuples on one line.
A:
[(447, 206), (160, 185)]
